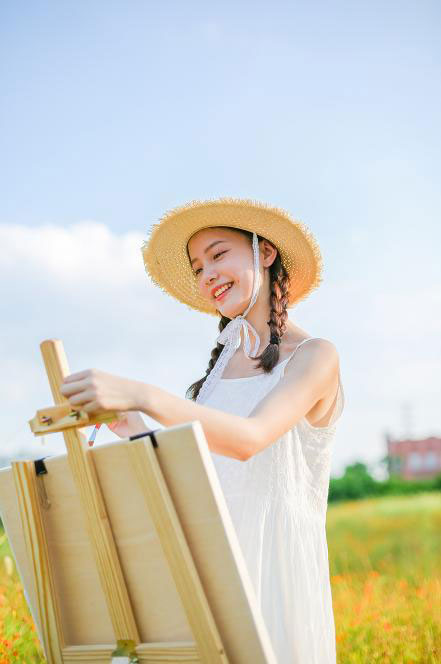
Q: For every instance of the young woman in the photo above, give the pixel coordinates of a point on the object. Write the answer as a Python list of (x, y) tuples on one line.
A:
[(268, 403)]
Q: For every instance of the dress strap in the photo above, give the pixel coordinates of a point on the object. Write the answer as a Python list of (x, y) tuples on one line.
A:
[(298, 346)]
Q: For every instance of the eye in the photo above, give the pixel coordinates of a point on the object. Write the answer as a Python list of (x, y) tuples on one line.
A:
[(196, 272)]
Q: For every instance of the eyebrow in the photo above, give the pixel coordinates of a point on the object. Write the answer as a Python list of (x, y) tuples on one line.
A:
[(207, 248)]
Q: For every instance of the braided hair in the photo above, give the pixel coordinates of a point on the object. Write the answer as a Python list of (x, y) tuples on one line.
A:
[(267, 360)]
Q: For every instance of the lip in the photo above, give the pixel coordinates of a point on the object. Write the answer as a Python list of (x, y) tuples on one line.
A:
[(213, 290)]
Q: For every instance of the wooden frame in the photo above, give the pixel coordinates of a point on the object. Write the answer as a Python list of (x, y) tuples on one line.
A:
[(130, 541)]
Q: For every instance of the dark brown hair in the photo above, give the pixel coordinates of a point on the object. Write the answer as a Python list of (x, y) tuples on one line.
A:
[(279, 285)]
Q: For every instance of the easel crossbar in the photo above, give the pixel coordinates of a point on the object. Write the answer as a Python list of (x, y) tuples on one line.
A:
[(148, 653)]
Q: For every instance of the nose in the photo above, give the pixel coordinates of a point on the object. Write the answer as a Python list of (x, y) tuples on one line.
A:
[(210, 276)]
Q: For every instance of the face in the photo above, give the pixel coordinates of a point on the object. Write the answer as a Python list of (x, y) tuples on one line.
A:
[(223, 257)]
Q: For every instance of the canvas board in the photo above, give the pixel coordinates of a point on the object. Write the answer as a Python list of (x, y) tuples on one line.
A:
[(192, 482)]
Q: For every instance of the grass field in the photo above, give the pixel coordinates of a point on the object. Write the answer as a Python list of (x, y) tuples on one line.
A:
[(385, 563)]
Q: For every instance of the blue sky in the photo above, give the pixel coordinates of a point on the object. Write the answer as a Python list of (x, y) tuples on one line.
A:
[(112, 113)]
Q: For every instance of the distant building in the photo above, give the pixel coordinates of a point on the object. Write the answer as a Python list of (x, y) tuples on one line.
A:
[(414, 459)]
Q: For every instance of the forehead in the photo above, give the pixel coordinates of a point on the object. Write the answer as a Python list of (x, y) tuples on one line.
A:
[(205, 236)]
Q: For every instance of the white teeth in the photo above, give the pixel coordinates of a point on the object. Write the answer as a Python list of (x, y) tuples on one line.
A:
[(222, 289)]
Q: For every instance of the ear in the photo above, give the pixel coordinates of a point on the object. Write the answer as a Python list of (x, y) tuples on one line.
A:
[(269, 252)]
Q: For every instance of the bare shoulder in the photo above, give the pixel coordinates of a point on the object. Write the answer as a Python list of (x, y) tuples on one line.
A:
[(306, 389), (326, 348), (315, 355)]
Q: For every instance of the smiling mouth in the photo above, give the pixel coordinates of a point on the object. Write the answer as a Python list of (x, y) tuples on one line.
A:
[(223, 291)]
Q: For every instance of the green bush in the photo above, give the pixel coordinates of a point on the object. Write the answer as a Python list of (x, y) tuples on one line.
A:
[(357, 483)]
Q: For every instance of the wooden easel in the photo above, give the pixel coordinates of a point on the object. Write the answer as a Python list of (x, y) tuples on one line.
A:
[(149, 502)]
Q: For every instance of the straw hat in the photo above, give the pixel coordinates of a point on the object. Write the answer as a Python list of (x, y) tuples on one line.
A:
[(165, 250)]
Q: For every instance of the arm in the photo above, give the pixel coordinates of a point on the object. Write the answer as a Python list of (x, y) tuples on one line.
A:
[(306, 381), (226, 434)]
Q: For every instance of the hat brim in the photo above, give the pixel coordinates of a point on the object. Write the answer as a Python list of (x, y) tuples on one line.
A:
[(165, 250)]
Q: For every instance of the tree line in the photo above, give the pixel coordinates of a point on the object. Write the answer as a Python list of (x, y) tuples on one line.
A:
[(357, 483)]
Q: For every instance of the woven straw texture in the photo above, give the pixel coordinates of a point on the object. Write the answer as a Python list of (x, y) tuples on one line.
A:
[(165, 249)]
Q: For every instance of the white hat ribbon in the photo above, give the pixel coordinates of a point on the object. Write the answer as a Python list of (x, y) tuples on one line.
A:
[(230, 336)]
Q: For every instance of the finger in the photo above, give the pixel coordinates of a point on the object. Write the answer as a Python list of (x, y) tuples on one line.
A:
[(72, 388), (82, 399), (77, 376), (92, 407)]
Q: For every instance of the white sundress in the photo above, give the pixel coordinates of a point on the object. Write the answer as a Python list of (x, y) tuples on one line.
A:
[(277, 501)]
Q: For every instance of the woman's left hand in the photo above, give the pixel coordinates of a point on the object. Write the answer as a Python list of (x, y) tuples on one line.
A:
[(94, 391)]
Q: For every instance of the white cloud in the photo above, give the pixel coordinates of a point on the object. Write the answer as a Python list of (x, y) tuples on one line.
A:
[(86, 252)]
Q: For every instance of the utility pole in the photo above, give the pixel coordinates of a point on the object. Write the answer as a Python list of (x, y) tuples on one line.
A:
[(407, 419)]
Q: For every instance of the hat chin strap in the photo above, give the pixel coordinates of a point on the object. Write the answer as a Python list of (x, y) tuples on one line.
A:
[(231, 334)]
